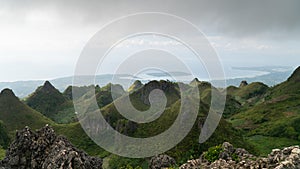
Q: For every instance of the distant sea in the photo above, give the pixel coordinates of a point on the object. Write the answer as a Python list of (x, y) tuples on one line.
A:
[(270, 75)]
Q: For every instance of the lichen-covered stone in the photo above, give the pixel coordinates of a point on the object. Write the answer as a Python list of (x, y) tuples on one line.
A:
[(43, 149)]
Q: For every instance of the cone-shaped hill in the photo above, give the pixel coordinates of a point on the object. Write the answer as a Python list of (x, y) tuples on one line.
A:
[(16, 115), (52, 103), (139, 99)]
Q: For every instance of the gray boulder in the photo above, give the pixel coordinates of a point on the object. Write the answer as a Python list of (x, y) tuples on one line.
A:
[(43, 149)]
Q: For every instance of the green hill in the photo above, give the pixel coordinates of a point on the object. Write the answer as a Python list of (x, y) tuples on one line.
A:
[(187, 148), (276, 116), (105, 93), (248, 93), (16, 115), (79, 90), (256, 117), (51, 103)]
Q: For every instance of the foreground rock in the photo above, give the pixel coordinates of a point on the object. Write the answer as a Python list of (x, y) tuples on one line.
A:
[(237, 158), (45, 150), (161, 161)]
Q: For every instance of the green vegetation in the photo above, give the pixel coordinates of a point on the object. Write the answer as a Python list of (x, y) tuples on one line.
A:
[(16, 115), (265, 144), (213, 153), (277, 116), (189, 147), (256, 117), (117, 162), (51, 103), (2, 153), (104, 94), (4, 139), (78, 137), (46, 99), (135, 86)]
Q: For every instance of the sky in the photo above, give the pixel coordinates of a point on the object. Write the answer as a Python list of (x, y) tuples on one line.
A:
[(44, 39)]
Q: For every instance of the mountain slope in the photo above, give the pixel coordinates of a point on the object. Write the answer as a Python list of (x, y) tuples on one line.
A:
[(105, 94), (277, 116), (4, 139), (16, 115), (51, 103), (189, 146), (135, 86)]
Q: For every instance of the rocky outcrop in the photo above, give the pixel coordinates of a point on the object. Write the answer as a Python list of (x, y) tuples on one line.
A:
[(135, 86), (161, 161), (43, 149), (243, 84), (238, 158)]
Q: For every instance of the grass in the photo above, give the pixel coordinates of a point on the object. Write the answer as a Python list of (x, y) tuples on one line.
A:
[(77, 136), (277, 119), (65, 114), (264, 144), (16, 115), (251, 90), (269, 124), (2, 153), (46, 100)]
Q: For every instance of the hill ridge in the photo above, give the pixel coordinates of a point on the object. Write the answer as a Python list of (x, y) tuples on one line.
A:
[(295, 75)]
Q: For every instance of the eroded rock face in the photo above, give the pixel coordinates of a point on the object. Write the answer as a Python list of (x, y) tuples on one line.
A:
[(43, 149), (238, 158), (161, 161)]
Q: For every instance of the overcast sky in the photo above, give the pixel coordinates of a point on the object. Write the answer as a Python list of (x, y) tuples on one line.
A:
[(43, 39)]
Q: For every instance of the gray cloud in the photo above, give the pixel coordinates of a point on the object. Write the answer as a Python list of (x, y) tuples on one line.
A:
[(229, 17), (37, 35)]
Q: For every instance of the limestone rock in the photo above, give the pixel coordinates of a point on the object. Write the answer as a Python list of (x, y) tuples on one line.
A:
[(161, 161), (43, 149), (238, 158)]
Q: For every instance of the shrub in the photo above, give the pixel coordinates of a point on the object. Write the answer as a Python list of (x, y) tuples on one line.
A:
[(213, 153), (2, 153)]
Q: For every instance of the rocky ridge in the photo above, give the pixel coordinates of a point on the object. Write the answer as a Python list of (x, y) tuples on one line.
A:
[(238, 158), (43, 149), (161, 161)]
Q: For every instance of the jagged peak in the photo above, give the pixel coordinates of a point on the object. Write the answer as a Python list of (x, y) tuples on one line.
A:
[(8, 92), (48, 86), (195, 82), (162, 84), (243, 83)]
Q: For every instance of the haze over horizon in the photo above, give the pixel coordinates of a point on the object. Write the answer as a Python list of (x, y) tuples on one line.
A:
[(43, 40)]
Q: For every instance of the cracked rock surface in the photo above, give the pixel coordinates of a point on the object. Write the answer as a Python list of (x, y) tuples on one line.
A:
[(43, 149)]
